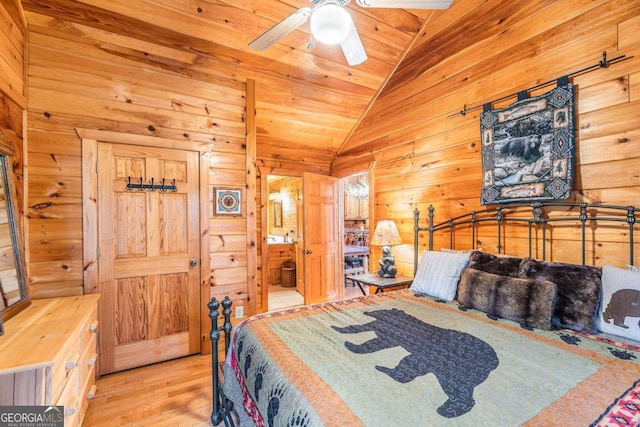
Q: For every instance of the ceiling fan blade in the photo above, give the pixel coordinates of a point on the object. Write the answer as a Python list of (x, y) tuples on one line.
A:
[(352, 47), (281, 29), (406, 4)]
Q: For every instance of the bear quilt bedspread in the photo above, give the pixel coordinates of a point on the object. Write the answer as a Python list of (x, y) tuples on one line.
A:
[(402, 358)]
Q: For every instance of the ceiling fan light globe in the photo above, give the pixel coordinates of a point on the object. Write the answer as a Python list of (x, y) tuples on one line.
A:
[(330, 24)]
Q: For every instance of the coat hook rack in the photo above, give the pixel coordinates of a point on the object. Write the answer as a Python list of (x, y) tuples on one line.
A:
[(603, 63), (141, 186)]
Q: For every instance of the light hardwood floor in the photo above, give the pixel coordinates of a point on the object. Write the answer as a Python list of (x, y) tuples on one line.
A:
[(175, 393)]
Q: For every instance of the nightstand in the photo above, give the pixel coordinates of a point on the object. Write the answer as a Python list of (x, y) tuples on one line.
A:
[(381, 284)]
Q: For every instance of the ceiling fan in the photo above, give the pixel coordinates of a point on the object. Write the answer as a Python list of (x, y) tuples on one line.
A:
[(332, 24)]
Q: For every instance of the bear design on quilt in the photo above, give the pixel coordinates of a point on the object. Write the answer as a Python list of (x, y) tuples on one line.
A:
[(624, 303), (459, 361)]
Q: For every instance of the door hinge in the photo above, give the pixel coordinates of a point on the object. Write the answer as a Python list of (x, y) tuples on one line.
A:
[(97, 253)]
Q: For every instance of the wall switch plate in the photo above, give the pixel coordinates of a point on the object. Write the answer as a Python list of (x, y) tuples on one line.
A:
[(239, 312)]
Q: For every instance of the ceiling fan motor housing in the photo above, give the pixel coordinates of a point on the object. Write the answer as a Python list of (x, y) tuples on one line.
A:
[(330, 22), (339, 2)]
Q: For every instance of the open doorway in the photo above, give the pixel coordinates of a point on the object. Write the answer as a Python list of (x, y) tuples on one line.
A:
[(283, 230), (356, 229)]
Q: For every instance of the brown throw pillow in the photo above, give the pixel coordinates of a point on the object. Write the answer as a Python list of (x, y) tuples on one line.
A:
[(578, 291), (502, 265), (526, 301)]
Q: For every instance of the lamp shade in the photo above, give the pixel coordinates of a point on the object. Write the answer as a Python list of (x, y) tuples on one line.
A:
[(330, 24), (386, 234)]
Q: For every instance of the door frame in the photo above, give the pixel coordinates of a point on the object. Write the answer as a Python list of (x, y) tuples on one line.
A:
[(263, 171), (264, 255), (90, 139)]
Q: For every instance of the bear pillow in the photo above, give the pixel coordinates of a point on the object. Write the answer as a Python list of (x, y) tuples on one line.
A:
[(619, 312)]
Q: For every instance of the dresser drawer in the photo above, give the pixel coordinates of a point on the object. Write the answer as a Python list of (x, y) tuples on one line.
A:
[(48, 355), (88, 361), (70, 399), (65, 363), (87, 364), (87, 391), (89, 329)]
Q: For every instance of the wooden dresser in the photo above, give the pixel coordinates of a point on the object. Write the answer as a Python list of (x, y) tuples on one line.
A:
[(48, 355)]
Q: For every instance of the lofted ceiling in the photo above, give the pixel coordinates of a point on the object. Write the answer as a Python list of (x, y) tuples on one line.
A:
[(308, 99)]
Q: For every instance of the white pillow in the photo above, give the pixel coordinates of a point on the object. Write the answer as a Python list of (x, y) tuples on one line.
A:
[(619, 311), (438, 273)]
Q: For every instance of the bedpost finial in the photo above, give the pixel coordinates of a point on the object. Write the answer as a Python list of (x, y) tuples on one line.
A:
[(226, 302), (213, 305)]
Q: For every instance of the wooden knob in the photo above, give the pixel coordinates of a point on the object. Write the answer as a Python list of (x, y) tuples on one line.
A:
[(92, 392), (92, 359)]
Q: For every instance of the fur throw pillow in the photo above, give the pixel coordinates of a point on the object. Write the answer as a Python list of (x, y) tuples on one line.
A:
[(502, 265), (526, 301), (578, 291)]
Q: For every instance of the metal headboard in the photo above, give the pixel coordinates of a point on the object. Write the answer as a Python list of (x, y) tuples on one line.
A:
[(582, 213)]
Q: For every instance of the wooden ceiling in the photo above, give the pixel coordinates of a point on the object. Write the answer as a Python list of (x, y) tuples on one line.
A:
[(308, 99)]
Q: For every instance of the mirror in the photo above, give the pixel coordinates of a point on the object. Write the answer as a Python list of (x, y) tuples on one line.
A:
[(277, 213), (14, 295)]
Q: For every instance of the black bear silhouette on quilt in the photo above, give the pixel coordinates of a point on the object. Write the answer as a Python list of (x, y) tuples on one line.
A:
[(459, 361)]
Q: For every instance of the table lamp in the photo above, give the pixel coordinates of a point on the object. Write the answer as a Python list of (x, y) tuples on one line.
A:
[(386, 235)]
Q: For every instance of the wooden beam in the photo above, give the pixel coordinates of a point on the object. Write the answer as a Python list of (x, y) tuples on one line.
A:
[(251, 211)]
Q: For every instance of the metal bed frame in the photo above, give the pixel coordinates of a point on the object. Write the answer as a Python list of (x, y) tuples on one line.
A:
[(534, 215), (581, 213), (222, 407)]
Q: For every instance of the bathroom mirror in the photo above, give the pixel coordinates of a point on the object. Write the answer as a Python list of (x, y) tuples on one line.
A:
[(277, 213), (13, 287)]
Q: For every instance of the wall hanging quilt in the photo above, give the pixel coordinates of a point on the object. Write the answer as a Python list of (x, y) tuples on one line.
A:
[(528, 148)]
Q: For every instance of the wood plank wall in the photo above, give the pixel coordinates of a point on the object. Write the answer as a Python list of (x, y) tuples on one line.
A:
[(481, 51), (12, 52), (13, 100), (89, 78)]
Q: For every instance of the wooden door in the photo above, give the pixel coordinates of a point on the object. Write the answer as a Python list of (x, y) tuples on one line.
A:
[(148, 246), (299, 249), (322, 241)]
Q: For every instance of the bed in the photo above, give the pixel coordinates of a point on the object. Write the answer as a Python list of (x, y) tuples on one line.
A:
[(479, 339)]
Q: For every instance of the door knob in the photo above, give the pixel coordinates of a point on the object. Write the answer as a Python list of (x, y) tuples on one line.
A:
[(193, 262)]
